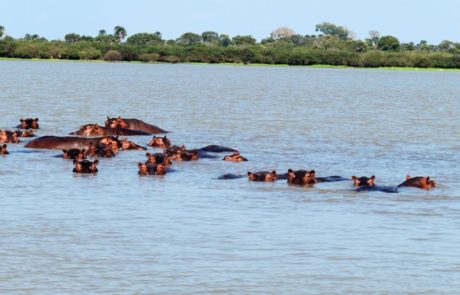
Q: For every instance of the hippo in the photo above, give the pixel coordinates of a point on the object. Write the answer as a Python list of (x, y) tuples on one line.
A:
[(151, 169), (3, 150), (262, 176), (68, 142), (8, 137), (364, 183), (74, 154), (235, 157), (217, 149), (102, 150), (134, 124), (419, 182), (85, 166), (158, 158), (25, 133), (125, 144), (185, 156), (301, 177), (29, 124), (230, 176), (160, 142), (96, 130)]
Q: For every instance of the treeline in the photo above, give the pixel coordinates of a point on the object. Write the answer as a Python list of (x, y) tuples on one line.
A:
[(333, 45)]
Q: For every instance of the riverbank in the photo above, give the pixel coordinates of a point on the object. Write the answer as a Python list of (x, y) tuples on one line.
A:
[(321, 66)]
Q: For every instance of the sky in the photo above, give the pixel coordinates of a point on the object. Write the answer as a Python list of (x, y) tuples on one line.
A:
[(408, 20)]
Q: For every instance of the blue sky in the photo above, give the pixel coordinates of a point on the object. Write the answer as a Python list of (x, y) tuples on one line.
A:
[(407, 20)]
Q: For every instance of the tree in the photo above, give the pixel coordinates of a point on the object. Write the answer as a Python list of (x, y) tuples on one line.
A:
[(2, 30), (446, 45), (374, 37), (423, 46), (282, 32), (72, 37), (388, 43), (244, 40), (145, 39), (189, 39), (120, 33), (332, 30), (102, 33), (210, 37), (224, 40)]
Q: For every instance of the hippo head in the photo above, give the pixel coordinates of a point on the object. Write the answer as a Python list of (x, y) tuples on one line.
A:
[(3, 150), (90, 130), (151, 169), (106, 151), (235, 157), (75, 154), (160, 142), (111, 141), (116, 123), (25, 133), (12, 137), (125, 144), (262, 176), (85, 166), (420, 182), (3, 136), (363, 181), (185, 156), (302, 177), (29, 123)]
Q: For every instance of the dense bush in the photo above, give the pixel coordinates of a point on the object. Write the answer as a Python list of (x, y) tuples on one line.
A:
[(113, 55)]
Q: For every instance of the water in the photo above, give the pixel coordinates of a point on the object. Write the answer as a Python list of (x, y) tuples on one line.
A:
[(187, 232)]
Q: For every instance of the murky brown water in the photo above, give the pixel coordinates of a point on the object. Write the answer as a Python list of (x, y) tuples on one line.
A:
[(187, 232)]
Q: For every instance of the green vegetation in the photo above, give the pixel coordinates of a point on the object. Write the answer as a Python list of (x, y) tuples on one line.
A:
[(335, 46)]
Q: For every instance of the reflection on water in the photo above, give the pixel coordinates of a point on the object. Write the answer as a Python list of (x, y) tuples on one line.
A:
[(117, 232)]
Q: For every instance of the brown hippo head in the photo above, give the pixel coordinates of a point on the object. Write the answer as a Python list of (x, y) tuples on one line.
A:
[(363, 181), (8, 137), (25, 133), (235, 157), (151, 169), (160, 142), (129, 145), (301, 177), (75, 154), (262, 176), (3, 150), (185, 156), (85, 166), (172, 150), (89, 130), (29, 123), (111, 141), (419, 181), (158, 158), (116, 123)]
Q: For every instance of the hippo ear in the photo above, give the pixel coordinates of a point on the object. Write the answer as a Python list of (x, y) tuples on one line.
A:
[(4, 146), (64, 151), (148, 154), (21, 120), (428, 180), (96, 162), (354, 178), (371, 180), (75, 162), (139, 165), (408, 177), (83, 151), (36, 119), (312, 173), (250, 173), (274, 172)]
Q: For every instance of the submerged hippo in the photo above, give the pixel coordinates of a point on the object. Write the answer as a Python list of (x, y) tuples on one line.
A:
[(102, 150), (8, 137), (68, 142), (85, 166), (368, 184), (96, 130), (419, 182), (74, 154), (160, 142), (134, 124), (301, 177), (235, 157), (158, 158), (25, 133), (125, 145), (3, 150), (262, 176), (151, 169), (29, 124)]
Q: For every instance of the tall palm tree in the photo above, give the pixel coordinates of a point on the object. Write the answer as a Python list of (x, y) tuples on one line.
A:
[(120, 33)]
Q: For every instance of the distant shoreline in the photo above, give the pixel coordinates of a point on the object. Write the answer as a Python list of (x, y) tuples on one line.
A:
[(318, 66)]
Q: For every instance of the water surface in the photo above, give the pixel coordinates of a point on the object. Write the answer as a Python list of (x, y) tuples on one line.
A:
[(187, 232)]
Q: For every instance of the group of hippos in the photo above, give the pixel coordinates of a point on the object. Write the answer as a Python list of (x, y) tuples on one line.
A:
[(93, 140)]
